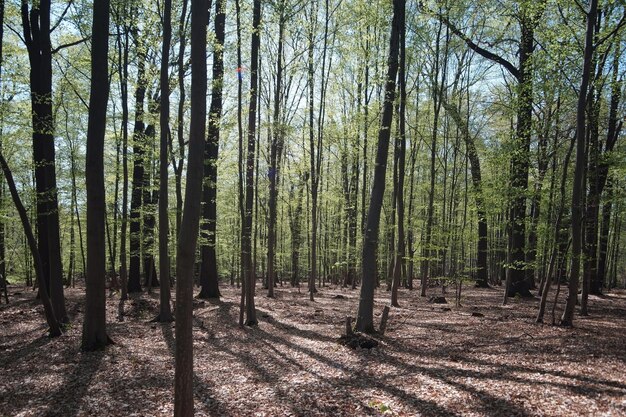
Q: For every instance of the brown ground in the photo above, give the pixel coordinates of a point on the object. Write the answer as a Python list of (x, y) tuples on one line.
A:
[(431, 362)]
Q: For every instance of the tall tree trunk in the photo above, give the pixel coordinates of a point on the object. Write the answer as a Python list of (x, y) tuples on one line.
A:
[(516, 271), (94, 323), (209, 278), (567, 318), (188, 235), (437, 95), (150, 198), (315, 150), (165, 310), (365, 316), (401, 150), (276, 150), (36, 25), (136, 201), (122, 66), (246, 236), (178, 168), (3, 276), (596, 254)]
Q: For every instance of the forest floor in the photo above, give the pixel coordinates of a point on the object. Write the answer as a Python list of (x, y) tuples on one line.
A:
[(434, 360)]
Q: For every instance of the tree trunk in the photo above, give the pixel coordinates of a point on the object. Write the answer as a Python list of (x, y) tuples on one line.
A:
[(36, 25), (209, 279), (188, 235), (3, 276), (123, 74), (577, 192), (165, 310), (94, 323), (401, 150), (136, 201), (365, 316), (276, 150), (246, 237)]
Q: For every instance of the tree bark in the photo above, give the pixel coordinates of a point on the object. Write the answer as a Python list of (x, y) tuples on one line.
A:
[(36, 25), (209, 279), (188, 235), (94, 323), (165, 310), (136, 201), (365, 316), (246, 238), (567, 319)]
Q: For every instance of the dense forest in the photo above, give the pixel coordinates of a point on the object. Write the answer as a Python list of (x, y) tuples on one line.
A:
[(332, 170)]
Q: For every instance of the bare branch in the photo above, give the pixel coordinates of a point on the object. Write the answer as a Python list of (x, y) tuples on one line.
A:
[(482, 51), (67, 45)]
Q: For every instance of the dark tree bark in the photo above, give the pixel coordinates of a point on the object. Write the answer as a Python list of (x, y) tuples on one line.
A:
[(276, 150), (595, 247), (188, 235), (209, 279), (365, 316), (36, 25), (437, 95), (567, 318), (3, 274), (178, 167), (122, 66), (136, 200), (165, 310), (296, 230), (401, 151), (246, 233), (94, 323), (150, 198)]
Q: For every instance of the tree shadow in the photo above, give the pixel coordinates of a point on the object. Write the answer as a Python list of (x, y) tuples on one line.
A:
[(202, 390), (75, 385)]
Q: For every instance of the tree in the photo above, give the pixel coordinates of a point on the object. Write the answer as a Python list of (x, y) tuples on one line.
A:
[(567, 318), (528, 17), (188, 234), (365, 315), (36, 32), (165, 311), (246, 231), (94, 324), (400, 147), (209, 278), (3, 273), (136, 200)]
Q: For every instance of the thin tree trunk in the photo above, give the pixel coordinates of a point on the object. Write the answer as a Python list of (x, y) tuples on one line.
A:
[(165, 310), (365, 316), (53, 324), (250, 278), (567, 318), (401, 147), (209, 278)]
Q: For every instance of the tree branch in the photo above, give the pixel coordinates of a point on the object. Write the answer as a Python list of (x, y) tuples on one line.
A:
[(67, 45), (481, 51), (620, 25), (69, 4)]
